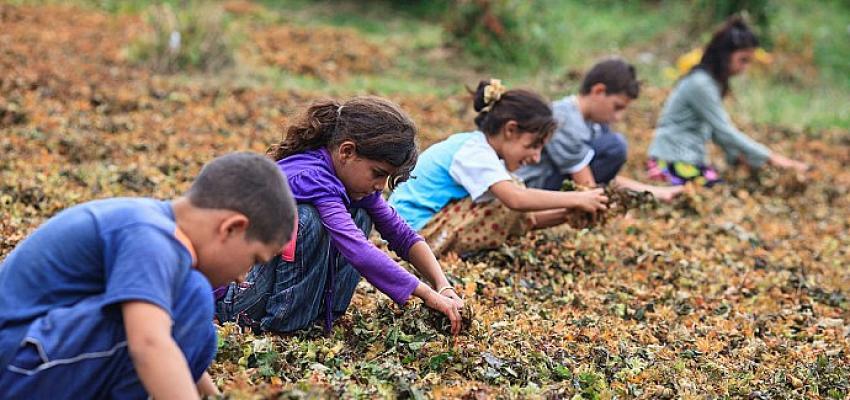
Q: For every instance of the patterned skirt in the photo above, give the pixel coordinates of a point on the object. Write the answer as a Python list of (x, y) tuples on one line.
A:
[(679, 173), (465, 227)]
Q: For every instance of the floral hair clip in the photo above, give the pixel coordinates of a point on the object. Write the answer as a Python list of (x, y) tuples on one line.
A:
[(492, 93)]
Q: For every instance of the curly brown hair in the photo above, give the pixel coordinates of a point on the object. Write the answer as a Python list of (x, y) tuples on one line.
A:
[(380, 130)]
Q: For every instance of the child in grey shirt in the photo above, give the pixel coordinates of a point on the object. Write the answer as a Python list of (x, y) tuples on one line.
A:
[(583, 147), (694, 114)]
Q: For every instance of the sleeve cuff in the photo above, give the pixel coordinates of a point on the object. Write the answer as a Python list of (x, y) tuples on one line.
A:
[(405, 254), (404, 296), (758, 159), (494, 180), (588, 157), (128, 296)]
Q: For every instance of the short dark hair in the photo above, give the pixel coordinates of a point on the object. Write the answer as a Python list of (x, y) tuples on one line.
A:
[(380, 130), (250, 184), (530, 111), (618, 76)]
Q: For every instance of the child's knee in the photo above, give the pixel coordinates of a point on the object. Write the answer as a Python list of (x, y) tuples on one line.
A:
[(612, 147), (311, 231), (195, 304), (308, 215), (619, 147), (193, 328)]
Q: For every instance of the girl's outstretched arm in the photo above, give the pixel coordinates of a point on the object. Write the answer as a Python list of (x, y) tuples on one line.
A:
[(426, 263), (519, 198), (781, 161), (584, 177), (372, 263), (662, 193)]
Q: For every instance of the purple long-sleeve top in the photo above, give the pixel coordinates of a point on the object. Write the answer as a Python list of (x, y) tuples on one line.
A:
[(313, 180)]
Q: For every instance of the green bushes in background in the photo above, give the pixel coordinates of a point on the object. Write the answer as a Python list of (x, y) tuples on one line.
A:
[(194, 35), (505, 31)]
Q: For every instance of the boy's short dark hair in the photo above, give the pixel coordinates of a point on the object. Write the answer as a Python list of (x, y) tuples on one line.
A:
[(618, 76), (252, 185)]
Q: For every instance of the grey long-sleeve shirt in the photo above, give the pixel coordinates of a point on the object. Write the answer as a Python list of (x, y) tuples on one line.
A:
[(569, 150), (694, 114)]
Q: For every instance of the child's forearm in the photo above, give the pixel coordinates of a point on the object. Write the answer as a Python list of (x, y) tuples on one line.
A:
[(584, 177), (519, 198), (631, 184), (425, 262), (206, 387), (158, 360), (549, 218), (163, 371), (425, 292)]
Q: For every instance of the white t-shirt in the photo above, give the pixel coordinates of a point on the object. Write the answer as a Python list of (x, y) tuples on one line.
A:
[(476, 167)]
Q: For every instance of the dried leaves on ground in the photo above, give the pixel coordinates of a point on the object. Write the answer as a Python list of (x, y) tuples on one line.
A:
[(735, 291)]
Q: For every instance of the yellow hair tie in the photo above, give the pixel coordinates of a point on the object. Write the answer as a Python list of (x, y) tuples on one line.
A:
[(492, 93)]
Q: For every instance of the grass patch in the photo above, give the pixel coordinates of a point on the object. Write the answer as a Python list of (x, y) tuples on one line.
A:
[(824, 28), (197, 35), (812, 109), (650, 34)]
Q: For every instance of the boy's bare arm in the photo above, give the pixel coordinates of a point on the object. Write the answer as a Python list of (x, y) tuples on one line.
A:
[(206, 387), (584, 177), (161, 366)]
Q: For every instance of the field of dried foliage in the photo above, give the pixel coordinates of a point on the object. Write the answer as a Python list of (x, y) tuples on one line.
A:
[(740, 291)]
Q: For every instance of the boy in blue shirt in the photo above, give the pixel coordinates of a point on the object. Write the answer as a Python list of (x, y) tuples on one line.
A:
[(112, 298)]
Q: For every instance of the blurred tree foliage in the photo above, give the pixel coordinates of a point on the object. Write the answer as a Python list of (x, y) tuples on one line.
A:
[(509, 31), (708, 13), (523, 32), (193, 35)]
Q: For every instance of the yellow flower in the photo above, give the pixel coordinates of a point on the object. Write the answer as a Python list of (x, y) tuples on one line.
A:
[(688, 61), (762, 56)]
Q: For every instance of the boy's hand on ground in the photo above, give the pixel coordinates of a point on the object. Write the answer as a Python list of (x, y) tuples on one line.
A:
[(158, 360), (591, 200), (206, 387), (666, 193)]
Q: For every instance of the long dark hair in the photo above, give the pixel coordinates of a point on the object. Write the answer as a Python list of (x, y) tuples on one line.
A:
[(530, 111), (734, 35), (380, 130)]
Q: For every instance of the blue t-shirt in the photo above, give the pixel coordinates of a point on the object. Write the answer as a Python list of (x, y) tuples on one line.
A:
[(118, 249), (464, 165)]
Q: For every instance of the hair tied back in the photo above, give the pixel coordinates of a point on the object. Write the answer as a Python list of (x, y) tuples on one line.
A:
[(492, 93)]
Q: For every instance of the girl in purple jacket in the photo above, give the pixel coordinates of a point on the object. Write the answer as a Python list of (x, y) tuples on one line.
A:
[(337, 158)]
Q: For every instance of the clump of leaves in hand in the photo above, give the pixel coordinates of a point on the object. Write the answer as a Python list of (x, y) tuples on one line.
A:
[(620, 202), (443, 325)]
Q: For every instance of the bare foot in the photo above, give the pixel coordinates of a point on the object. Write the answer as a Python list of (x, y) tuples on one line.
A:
[(666, 193)]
